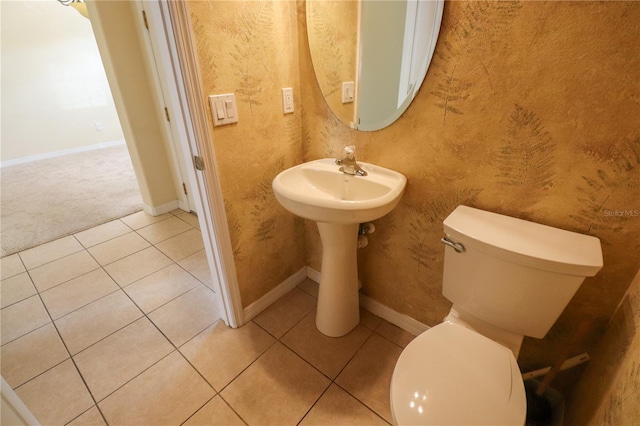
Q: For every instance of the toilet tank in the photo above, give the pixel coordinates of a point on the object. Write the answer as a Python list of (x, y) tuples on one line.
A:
[(514, 274)]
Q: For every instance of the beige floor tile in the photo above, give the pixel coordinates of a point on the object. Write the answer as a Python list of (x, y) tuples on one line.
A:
[(198, 266), (286, 312), (279, 388), (395, 334), (115, 360), (15, 289), (163, 230), (50, 275), (136, 266), (182, 245), (31, 354), (190, 218), (328, 354), (75, 293), (97, 320), (161, 287), (220, 353), (118, 248), (215, 413), (337, 407), (101, 233), (50, 251), (368, 375), (167, 393), (310, 286), (141, 219), (369, 320), (10, 266), (187, 315), (22, 318), (91, 417), (56, 396)]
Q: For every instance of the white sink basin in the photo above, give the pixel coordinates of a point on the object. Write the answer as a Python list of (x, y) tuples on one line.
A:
[(338, 202), (318, 191)]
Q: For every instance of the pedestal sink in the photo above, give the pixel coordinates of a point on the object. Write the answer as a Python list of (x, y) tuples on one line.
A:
[(338, 202)]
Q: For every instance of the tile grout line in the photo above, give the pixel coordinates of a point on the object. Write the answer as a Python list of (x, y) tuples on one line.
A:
[(331, 380), (86, 249), (120, 288), (145, 315), (177, 348), (70, 357)]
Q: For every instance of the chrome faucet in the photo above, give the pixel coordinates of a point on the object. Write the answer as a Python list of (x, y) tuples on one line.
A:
[(348, 162)]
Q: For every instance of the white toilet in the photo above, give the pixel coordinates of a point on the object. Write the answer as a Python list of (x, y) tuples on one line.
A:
[(507, 278)]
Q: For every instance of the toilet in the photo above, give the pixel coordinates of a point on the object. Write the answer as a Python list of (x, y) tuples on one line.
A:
[(507, 278)]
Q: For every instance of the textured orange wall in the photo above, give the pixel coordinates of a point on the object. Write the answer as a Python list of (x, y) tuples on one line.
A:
[(607, 394), (250, 49), (530, 109)]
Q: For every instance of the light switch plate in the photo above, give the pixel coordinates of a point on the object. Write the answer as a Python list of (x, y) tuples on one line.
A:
[(224, 109), (287, 100), (348, 91)]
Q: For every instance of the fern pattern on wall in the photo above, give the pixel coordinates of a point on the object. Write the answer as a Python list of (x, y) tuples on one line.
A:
[(623, 399), (617, 171), (525, 160), (234, 228), (419, 248), (292, 131), (474, 20), (203, 48), (254, 25), (457, 37), (423, 247), (264, 212), (450, 92)]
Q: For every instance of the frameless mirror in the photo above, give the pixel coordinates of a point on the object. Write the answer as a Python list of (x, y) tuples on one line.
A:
[(371, 56)]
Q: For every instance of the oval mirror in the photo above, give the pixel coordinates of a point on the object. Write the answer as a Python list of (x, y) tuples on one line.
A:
[(371, 56)]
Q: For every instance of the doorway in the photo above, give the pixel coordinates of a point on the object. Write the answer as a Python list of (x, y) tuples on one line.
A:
[(117, 26), (65, 166)]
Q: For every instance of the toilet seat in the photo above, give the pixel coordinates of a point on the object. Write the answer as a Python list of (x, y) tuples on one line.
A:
[(452, 375)]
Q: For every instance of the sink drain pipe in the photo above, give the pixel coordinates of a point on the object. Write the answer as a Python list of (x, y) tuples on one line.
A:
[(363, 230)]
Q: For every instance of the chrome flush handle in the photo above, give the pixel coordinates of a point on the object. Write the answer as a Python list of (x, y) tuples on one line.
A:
[(458, 247)]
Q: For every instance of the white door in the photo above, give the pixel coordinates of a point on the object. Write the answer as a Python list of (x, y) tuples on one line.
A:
[(168, 26), (159, 57)]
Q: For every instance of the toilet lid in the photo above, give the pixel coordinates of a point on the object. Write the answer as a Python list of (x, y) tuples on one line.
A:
[(452, 375)]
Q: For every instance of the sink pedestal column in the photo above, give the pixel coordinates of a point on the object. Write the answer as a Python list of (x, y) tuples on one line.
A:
[(338, 303)]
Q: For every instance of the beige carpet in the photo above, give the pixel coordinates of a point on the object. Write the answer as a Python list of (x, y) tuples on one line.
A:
[(47, 199)]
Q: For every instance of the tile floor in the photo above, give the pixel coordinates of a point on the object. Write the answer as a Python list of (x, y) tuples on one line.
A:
[(118, 325)]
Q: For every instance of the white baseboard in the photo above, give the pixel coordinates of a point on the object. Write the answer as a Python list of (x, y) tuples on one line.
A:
[(182, 205), (162, 209), (403, 321), (283, 288), (54, 154), (313, 275)]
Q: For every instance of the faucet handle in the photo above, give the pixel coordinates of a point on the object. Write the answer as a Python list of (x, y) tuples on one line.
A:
[(349, 151), (348, 154)]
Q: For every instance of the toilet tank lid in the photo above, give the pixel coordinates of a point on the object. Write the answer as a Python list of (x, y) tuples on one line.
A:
[(526, 243)]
